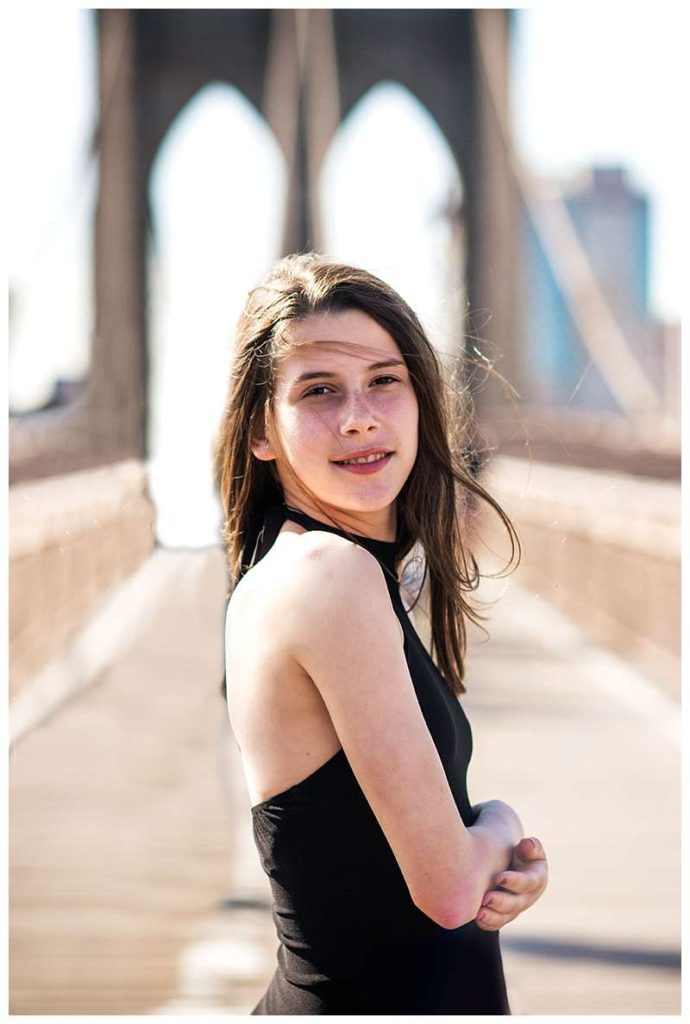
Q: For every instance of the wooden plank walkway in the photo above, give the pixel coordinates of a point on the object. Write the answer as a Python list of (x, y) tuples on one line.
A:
[(136, 889)]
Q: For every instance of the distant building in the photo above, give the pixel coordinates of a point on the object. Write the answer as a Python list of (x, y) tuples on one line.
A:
[(612, 220)]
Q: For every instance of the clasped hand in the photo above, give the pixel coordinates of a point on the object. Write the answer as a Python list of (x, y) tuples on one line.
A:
[(515, 889)]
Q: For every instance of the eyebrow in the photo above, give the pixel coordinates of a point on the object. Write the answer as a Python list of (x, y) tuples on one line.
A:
[(314, 374)]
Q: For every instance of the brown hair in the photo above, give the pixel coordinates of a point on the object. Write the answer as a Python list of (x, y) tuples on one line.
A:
[(433, 504)]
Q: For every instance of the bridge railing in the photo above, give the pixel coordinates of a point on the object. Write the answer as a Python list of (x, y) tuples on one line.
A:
[(72, 539)]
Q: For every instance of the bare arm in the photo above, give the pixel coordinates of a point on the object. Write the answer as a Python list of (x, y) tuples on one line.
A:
[(343, 632)]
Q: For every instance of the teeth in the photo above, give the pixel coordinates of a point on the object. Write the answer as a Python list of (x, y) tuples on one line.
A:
[(365, 458)]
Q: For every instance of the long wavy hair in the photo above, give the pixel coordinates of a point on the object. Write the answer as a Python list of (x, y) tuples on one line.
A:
[(441, 494)]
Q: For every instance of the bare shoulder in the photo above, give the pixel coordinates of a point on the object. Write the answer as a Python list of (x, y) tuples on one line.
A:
[(330, 560), (305, 574), (333, 583)]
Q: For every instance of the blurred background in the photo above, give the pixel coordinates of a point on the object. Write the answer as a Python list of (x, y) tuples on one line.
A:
[(516, 175)]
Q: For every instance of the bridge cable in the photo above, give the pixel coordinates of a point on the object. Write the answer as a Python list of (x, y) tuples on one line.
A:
[(596, 323)]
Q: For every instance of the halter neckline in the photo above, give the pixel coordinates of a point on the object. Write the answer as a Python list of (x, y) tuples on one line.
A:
[(385, 551)]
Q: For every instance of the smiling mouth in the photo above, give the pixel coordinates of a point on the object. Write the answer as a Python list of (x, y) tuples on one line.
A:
[(363, 459)]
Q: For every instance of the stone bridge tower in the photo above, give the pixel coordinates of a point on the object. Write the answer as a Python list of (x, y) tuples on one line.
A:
[(304, 71)]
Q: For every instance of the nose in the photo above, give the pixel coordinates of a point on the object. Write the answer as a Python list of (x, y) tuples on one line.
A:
[(358, 416)]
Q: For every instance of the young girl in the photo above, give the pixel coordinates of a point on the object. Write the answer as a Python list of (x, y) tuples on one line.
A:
[(335, 458)]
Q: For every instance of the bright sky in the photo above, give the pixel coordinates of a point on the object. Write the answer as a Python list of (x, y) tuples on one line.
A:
[(587, 87)]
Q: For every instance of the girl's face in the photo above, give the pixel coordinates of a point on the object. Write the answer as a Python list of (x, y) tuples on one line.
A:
[(344, 393)]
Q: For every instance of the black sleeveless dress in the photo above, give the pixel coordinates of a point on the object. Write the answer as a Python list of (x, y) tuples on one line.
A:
[(351, 939)]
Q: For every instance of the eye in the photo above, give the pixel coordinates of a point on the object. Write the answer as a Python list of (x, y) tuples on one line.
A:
[(387, 378), (318, 389)]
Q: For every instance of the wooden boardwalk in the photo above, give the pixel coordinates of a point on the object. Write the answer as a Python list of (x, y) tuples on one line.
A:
[(136, 889)]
